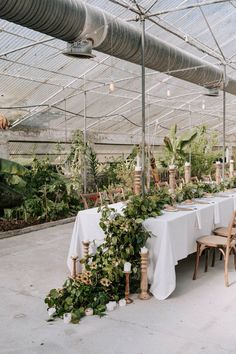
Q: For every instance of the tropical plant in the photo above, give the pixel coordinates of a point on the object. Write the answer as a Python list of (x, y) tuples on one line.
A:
[(11, 184), (203, 154), (175, 145)]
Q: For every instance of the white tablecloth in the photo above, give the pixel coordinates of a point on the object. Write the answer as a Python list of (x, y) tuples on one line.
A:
[(173, 237)]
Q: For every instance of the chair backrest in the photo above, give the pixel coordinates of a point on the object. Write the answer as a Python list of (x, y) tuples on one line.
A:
[(163, 184), (116, 195), (180, 181), (231, 231), (91, 200), (194, 179), (207, 178)]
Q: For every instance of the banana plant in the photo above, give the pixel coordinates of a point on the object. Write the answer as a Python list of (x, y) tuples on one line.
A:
[(11, 183), (176, 145)]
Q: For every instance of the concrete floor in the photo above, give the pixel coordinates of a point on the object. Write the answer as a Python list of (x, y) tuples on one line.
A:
[(197, 318)]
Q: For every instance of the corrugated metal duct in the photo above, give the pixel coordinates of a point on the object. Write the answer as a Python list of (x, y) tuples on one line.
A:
[(72, 20)]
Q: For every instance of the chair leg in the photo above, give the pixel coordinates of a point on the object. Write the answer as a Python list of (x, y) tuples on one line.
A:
[(196, 261), (226, 267), (206, 260), (234, 260), (213, 258), (221, 256)]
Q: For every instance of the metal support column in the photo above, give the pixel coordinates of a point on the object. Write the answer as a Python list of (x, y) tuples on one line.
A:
[(142, 19), (85, 142), (224, 117)]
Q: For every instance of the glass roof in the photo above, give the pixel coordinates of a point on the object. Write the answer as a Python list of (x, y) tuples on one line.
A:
[(43, 89)]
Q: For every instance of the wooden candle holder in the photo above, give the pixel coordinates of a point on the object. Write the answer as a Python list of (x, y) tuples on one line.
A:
[(127, 298), (231, 169), (74, 268), (137, 181), (218, 172), (187, 173), (144, 295), (85, 248), (172, 181)]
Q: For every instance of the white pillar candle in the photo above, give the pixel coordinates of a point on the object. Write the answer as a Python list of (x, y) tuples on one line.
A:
[(89, 311), (187, 164), (111, 305), (122, 302), (144, 250), (51, 311), (67, 318), (172, 167), (127, 267), (86, 241)]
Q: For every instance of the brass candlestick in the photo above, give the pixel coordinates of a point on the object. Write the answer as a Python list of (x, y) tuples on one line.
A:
[(74, 270), (127, 299), (144, 295)]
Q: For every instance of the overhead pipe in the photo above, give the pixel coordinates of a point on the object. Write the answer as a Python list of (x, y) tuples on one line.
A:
[(75, 21)]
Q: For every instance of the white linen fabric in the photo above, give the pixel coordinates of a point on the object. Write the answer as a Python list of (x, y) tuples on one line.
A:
[(87, 227), (172, 237)]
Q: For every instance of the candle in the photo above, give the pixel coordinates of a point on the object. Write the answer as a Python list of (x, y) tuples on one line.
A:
[(122, 302), (51, 311), (144, 250), (218, 162), (127, 267), (187, 164), (172, 167), (67, 318), (89, 311), (86, 241), (231, 161), (111, 305)]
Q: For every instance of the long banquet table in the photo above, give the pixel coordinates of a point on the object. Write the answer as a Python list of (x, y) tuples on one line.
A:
[(173, 236)]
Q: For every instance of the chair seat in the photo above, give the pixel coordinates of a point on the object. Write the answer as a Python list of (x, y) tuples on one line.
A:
[(212, 240), (223, 231)]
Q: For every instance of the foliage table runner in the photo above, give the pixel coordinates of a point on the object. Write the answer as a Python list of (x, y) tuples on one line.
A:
[(173, 237)]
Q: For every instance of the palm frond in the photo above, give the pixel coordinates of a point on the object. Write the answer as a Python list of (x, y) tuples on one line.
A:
[(168, 144)]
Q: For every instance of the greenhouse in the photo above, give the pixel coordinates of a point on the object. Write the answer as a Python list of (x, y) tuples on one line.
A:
[(117, 176)]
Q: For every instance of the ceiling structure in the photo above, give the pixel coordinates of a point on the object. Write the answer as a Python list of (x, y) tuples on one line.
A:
[(43, 89)]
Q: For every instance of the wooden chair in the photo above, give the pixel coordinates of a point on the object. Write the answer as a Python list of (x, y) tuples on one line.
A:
[(207, 178), (180, 181), (116, 195), (91, 200), (224, 244), (163, 184)]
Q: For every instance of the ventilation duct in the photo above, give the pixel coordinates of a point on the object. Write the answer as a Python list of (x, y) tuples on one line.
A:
[(75, 21)]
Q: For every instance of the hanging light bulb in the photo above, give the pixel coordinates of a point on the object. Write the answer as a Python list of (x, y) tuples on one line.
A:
[(203, 104), (112, 87), (168, 92)]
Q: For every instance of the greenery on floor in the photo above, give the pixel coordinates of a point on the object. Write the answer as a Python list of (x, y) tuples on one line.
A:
[(103, 278)]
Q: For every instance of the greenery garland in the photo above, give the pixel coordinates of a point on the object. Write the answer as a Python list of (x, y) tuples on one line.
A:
[(103, 278)]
